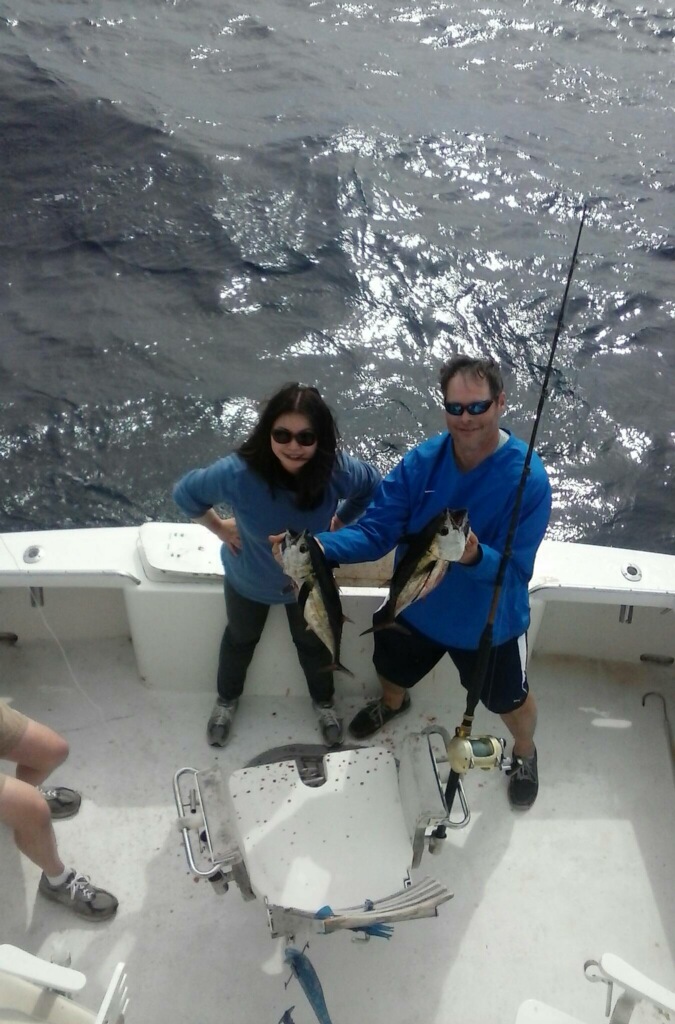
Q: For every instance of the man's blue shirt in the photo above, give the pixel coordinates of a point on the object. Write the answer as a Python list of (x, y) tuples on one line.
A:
[(428, 480)]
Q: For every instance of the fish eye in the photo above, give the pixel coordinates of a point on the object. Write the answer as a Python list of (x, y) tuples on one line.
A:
[(303, 548), (444, 531)]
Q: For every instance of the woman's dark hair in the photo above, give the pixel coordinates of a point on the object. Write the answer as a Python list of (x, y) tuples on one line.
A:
[(484, 369), (310, 482)]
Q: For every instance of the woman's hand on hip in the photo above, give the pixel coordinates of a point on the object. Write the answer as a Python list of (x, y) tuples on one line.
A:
[(229, 534), (224, 529)]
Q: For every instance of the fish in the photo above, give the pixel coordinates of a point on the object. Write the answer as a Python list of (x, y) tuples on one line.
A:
[(318, 595), (431, 551)]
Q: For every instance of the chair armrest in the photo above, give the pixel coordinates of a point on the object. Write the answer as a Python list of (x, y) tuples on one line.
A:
[(41, 972), (636, 983)]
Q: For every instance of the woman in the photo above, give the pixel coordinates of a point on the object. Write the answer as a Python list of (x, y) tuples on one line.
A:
[(288, 474)]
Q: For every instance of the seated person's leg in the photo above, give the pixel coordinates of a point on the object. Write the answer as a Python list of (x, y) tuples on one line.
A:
[(36, 754), (26, 812), (39, 751)]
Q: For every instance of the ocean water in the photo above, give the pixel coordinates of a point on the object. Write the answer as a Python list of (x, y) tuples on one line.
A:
[(200, 201)]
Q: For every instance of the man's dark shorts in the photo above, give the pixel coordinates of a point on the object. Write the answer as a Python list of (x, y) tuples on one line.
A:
[(404, 659)]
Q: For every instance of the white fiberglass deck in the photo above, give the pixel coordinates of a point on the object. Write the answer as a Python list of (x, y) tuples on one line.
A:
[(589, 869)]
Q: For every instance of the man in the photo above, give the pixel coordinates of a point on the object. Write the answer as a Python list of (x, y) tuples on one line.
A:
[(28, 809), (475, 465)]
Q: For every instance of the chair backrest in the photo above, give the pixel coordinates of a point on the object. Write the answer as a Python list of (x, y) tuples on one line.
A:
[(339, 843), (115, 1001)]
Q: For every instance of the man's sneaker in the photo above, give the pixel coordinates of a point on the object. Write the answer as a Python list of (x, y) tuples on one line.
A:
[(220, 722), (523, 781), (81, 896), (374, 716), (63, 802), (329, 723)]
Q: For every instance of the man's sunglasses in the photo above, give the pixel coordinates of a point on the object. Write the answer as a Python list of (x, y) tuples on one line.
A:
[(473, 408), (306, 438)]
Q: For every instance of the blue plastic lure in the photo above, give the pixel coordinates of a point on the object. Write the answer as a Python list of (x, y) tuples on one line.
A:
[(309, 982)]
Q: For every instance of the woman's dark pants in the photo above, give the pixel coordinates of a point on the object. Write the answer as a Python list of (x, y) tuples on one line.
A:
[(245, 622)]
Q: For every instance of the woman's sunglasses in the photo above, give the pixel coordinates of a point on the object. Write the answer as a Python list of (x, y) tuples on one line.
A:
[(473, 408), (306, 438)]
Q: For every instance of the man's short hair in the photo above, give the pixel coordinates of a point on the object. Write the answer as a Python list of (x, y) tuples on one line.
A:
[(484, 369)]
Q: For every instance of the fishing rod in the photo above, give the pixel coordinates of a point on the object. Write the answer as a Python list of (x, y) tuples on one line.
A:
[(465, 752)]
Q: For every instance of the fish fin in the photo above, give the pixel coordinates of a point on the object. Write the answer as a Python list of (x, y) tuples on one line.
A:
[(390, 624), (345, 618), (398, 626), (430, 583)]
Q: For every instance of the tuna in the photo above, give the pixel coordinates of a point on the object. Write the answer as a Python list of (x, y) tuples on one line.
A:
[(318, 595), (430, 554)]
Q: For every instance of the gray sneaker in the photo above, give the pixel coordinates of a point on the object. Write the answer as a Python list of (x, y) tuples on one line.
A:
[(329, 723), (63, 802), (220, 722), (81, 896)]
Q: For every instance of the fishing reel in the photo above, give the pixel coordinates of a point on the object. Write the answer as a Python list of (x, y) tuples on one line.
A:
[(462, 753), (466, 752)]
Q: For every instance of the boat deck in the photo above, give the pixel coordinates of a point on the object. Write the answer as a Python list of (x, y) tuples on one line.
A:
[(588, 869)]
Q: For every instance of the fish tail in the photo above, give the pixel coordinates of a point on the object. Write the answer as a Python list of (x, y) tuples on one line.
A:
[(336, 666)]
